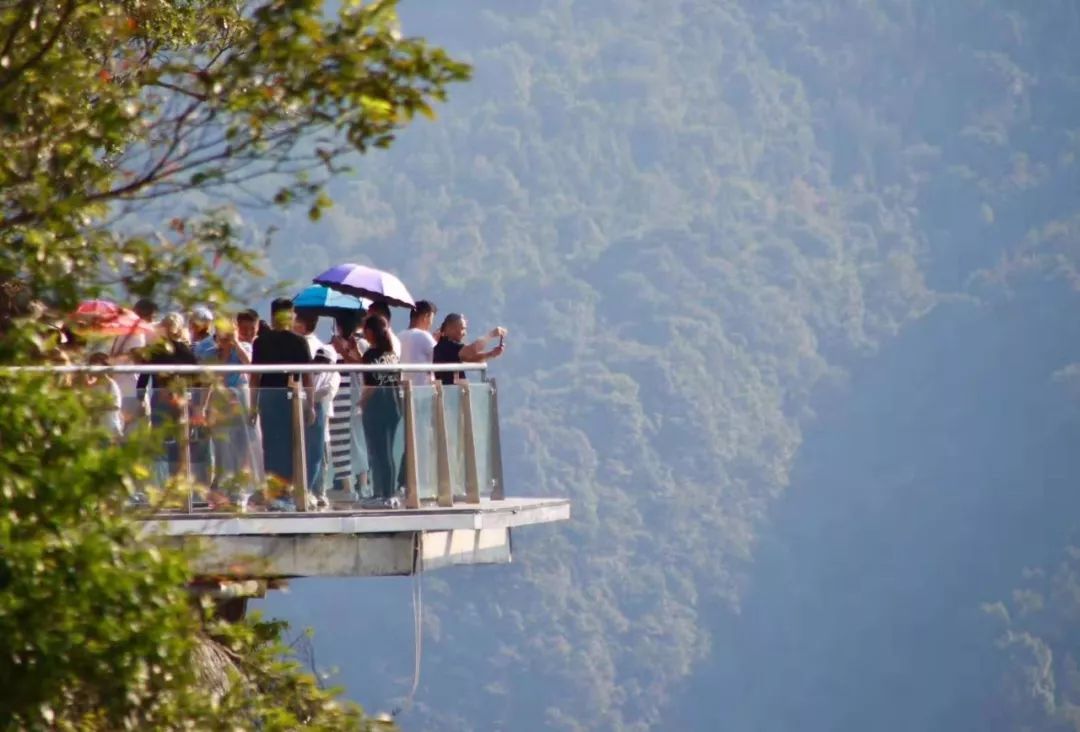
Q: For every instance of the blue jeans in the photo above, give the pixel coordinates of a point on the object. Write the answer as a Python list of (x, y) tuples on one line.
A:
[(315, 450), (202, 446), (165, 412), (382, 418), (235, 443), (275, 415)]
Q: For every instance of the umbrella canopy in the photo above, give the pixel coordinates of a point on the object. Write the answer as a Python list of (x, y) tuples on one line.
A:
[(123, 322), (356, 279), (96, 309), (321, 300)]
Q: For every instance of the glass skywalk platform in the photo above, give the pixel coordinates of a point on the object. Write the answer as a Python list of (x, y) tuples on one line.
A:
[(447, 501), (355, 543)]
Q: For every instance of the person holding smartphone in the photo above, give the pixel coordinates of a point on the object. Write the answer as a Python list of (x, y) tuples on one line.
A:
[(452, 347)]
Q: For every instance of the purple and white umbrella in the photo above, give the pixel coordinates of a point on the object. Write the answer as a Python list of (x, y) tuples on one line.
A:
[(361, 281)]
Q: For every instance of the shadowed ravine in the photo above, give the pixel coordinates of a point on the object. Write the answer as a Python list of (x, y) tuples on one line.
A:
[(946, 469)]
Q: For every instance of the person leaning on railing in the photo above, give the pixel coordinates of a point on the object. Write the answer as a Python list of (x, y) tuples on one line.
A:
[(452, 348), (270, 402)]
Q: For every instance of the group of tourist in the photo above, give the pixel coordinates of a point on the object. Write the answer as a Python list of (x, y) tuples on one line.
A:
[(241, 428)]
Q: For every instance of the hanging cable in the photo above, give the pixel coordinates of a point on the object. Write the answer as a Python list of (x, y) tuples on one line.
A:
[(418, 627)]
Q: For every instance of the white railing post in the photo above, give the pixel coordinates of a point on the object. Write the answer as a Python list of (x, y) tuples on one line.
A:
[(183, 447), (412, 497), (495, 445), (449, 447), (472, 479), (442, 448), (299, 476)]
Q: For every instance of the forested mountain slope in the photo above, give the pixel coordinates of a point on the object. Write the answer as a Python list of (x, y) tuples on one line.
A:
[(932, 489), (695, 218)]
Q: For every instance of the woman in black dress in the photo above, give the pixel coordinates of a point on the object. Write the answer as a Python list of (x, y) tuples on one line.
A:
[(381, 409)]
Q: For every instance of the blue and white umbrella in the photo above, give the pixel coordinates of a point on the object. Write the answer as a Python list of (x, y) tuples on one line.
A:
[(321, 300)]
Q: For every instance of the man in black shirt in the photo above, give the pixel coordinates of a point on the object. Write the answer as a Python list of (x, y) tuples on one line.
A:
[(452, 348), (270, 391)]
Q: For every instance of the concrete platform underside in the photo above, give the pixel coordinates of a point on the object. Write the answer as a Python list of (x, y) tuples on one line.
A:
[(355, 543)]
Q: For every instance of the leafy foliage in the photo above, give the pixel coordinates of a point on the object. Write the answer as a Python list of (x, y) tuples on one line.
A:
[(96, 619), (110, 104), (104, 107), (94, 622)]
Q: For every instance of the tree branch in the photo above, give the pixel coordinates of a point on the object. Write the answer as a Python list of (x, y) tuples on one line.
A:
[(180, 90), (17, 26), (16, 72)]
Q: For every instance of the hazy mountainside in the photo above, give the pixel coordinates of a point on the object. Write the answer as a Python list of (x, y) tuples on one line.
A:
[(946, 470), (693, 217)]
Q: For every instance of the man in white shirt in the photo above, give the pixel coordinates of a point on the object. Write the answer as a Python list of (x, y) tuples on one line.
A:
[(417, 343), (325, 386)]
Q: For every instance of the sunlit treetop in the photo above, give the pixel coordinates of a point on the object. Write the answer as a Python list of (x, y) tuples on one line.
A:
[(106, 105)]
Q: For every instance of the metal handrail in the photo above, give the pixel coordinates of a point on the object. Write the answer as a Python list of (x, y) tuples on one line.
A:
[(444, 491), (274, 368)]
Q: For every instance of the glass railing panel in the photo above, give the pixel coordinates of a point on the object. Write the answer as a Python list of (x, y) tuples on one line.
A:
[(272, 449), (221, 447), (365, 451), (237, 446), (481, 402), (427, 469), (498, 485), (226, 442), (356, 440), (349, 473), (163, 410), (216, 435), (455, 443)]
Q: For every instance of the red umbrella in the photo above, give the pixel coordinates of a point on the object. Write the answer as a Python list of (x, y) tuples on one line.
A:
[(94, 309), (123, 322)]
